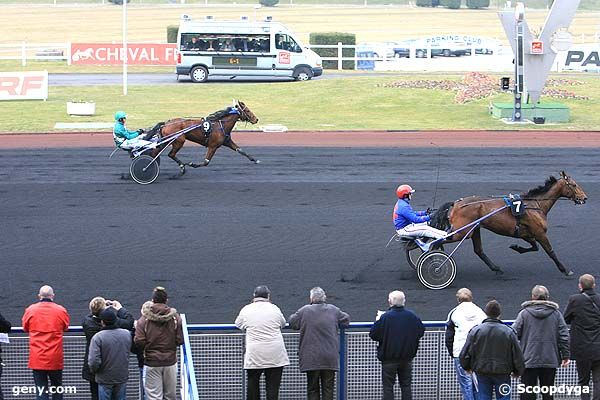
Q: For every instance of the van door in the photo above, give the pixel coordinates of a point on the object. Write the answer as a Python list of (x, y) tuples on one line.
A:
[(288, 55)]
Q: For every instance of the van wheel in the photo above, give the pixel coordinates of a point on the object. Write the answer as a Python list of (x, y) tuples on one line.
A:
[(199, 74), (303, 74), (446, 53)]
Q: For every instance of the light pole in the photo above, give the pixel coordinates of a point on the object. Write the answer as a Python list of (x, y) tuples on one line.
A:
[(124, 48), (519, 55)]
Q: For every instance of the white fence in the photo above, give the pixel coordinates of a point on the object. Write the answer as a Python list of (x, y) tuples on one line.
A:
[(499, 60)]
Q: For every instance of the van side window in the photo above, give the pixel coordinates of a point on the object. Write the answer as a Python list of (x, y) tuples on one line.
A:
[(286, 42)]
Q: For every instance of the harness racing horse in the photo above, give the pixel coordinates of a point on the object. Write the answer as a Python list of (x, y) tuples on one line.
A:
[(531, 226), (211, 132)]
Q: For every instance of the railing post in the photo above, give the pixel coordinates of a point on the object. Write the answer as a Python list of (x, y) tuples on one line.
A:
[(23, 54), (342, 374), (339, 56), (68, 53)]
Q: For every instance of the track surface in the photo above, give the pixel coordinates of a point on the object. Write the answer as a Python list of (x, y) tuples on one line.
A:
[(304, 217)]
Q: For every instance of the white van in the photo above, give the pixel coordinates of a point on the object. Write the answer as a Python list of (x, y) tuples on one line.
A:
[(242, 48)]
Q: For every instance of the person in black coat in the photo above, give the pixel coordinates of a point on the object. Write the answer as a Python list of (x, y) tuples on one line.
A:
[(397, 332), (92, 324), (4, 328), (492, 352), (583, 314)]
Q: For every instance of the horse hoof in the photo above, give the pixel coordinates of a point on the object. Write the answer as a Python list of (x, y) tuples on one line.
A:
[(514, 247), (569, 273), (499, 271), (257, 162)]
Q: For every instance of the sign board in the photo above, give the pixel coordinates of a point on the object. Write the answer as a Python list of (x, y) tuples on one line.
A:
[(582, 57), (24, 85), (537, 47), (284, 57), (112, 54)]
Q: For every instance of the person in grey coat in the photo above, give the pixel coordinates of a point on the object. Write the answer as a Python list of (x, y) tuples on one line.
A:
[(109, 357), (318, 323), (544, 337)]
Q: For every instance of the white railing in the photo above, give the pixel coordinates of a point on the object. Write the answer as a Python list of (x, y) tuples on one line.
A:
[(25, 51)]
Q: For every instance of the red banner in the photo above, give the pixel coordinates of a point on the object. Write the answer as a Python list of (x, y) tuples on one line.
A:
[(112, 54)]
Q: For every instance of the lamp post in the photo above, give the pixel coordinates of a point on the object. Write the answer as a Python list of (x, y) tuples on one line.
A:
[(519, 55), (124, 50)]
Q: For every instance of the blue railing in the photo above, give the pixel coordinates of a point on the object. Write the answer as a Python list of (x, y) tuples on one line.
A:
[(187, 364)]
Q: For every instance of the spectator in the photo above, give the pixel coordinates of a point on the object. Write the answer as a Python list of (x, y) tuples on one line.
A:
[(109, 357), (583, 313), (318, 323), (397, 332), (46, 321), (544, 338), (158, 333), (265, 350), (492, 353), (460, 321), (194, 44), (4, 328), (92, 324)]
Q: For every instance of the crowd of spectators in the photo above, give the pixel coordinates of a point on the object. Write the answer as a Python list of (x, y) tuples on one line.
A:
[(485, 351)]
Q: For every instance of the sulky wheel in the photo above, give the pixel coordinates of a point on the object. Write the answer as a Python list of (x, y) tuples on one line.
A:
[(413, 252), (144, 170), (436, 270)]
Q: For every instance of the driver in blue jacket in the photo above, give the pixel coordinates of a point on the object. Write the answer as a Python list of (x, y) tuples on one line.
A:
[(125, 138), (409, 222)]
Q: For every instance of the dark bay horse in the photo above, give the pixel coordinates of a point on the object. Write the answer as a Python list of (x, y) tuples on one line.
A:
[(221, 123), (531, 227)]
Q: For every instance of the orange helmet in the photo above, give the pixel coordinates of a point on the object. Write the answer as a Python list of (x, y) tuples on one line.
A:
[(404, 190)]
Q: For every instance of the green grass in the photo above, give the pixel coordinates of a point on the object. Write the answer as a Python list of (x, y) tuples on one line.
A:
[(148, 23), (337, 104), (537, 4)]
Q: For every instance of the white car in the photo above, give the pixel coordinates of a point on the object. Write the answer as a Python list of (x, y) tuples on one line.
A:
[(379, 49)]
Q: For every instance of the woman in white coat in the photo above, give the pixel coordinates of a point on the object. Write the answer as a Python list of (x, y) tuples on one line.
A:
[(265, 350)]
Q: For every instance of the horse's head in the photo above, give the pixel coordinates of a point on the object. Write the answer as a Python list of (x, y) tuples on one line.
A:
[(572, 190), (246, 114)]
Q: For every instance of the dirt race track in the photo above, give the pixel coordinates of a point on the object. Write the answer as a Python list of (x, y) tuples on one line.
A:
[(316, 211)]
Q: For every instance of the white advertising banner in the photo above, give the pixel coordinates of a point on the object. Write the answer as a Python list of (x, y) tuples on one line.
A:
[(24, 85), (580, 57)]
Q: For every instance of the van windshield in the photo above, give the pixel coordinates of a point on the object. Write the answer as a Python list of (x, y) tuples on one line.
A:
[(225, 42)]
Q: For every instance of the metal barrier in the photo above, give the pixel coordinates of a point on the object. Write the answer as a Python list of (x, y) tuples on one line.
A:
[(217, 352)]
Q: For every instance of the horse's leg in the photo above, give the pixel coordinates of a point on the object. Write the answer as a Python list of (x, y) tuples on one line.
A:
[(175, 147), (233, 146), (521, 249), (478, 249), (210, 152), (545, 243)]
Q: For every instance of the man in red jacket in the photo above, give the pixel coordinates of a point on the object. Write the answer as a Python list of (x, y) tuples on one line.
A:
[(46, 321)]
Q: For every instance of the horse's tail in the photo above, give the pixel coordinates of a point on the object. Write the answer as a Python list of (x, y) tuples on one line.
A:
[(440, 219)]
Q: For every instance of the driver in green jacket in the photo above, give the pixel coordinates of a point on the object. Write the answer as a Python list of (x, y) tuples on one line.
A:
[(125, 138)]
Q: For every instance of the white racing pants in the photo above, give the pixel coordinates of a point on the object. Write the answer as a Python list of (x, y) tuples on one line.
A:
[(421, 230), (130, 144)]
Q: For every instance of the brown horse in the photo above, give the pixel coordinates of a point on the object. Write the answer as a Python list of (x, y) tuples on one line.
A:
[(212, 132), (531, 226)]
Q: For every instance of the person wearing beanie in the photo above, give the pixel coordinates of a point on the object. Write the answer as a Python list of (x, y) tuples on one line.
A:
[(92, 325), (158, 334), (265, 351), (108, 357)]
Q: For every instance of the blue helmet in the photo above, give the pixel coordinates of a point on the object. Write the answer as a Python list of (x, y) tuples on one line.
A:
[(119, 115)]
